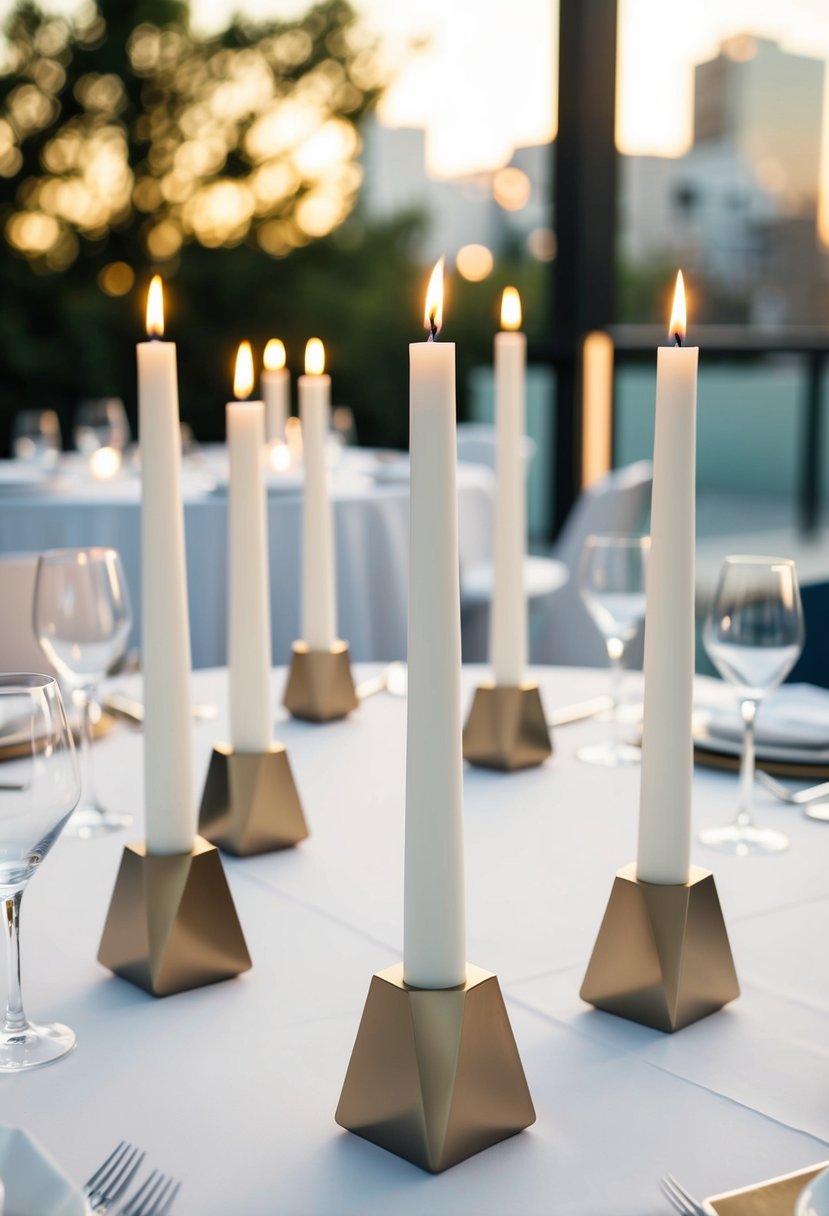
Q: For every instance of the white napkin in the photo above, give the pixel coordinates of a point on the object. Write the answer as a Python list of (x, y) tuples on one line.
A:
[(796, 715), (34, 1185)]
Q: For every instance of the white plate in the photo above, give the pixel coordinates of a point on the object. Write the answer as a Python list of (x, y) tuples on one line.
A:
[(814, 1198), (35, 1186), (764, 751)]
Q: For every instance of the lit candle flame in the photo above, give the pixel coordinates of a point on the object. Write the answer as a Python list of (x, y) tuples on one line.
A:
[(274, 356), (678, 319), (155, 308), (510, 309), (243, 375), (314, 357), (433, 312)]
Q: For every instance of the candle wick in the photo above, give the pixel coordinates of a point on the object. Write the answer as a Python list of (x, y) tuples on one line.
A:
[(433, 329), (677, 339)]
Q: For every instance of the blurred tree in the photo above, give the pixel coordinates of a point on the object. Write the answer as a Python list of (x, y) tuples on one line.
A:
[(127, 144)]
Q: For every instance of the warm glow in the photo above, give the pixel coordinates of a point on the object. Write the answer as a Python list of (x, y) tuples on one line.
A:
[(474, 262), (678, 320), (280, 456), (293, 438), (511, 189), (510, 309), (433, 312), (243, 375), (155, 307), (105, 463), (314, 357), (274, 356)]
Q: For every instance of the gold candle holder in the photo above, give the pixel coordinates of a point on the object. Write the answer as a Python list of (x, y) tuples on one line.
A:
[(250, 802), (320, 687), (662, 956), (507, 728), (435, 1074), (172, 924)]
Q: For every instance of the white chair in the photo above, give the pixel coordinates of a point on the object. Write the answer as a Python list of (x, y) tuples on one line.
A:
[(620, 502), (19, 648)]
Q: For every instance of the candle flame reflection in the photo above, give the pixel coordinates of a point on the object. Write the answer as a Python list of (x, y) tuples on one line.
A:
[(676, 329), (433, 312), (274, 356), (314, 357), (155, 308), (243, 375), (510, 309)]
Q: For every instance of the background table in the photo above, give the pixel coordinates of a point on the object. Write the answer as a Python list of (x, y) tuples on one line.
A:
[(372, 530), (233, 1088)]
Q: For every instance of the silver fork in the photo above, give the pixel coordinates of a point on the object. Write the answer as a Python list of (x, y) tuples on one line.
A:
[(154, 1198), (113, 1176), (814, 793), (679, 1198)]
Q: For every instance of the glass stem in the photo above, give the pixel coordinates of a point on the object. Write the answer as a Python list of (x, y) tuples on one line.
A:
[(748, 711), (14, 1019), (615, 652), (84, 699)]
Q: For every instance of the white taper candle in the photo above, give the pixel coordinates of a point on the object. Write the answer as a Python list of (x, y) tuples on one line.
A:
[(508, 629), (249, 623), (165, 626), (667, 748), (434, 943), (276, 390), (319, 594)]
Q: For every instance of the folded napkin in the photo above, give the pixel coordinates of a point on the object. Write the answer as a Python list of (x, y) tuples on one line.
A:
[(34, 1185), (796, 715)]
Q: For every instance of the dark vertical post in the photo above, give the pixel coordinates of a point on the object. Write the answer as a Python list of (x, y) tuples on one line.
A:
[(585, 215), (812, 442)]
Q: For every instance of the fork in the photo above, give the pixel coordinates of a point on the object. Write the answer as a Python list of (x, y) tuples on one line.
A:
[(800, 797), (679, 1198), (113, 1176), (155, 1197)]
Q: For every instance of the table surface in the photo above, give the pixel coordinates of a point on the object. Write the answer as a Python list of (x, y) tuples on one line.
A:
[(233, 1088)]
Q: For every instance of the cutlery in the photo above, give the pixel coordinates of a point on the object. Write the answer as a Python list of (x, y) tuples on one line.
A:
[(814, 793), (679, 1198), (579, 711), (155, 1197), (132, 710), (113, 1176), (393, 679)]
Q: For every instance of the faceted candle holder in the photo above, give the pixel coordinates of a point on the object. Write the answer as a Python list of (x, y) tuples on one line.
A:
[(250, 802), (435, 1075), (507, 728), (320, 687)]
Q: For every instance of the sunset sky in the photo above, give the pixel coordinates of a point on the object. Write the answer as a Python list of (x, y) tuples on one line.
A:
[(485, 83)]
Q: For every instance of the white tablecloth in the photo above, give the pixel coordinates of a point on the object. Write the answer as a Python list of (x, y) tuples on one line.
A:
[(233, 1088), (372, 531)]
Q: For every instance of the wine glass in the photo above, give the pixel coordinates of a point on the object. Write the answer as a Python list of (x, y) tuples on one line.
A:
[(82, 621), (41, 785), (753, 635), (101, 423), (612, 585), (36, 437)]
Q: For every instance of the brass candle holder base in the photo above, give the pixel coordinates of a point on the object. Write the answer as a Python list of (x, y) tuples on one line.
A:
[(662, 956), (320, 687), (171, 924), (506, 728), (250, 803), (435, 1074)]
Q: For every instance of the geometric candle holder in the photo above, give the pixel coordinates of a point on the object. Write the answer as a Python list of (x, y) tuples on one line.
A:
[(250, 803), (171, 924), (320, 687), (662, 956), (435, 1075), (507, 728)]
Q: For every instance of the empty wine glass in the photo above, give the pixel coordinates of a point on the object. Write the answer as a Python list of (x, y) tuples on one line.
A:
[(40, 787), (612, 585), (753, 635), (36, 437), (101, 423), (82, 621)]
